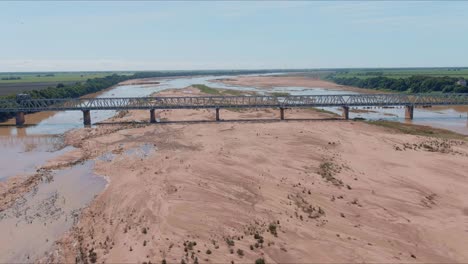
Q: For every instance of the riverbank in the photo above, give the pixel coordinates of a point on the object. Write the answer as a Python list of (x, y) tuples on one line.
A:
[(294, 191)]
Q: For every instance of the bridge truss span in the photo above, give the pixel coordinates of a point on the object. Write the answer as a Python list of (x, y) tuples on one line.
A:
[(25, 104)]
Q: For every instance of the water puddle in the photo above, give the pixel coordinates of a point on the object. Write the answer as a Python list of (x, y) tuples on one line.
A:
[(30, 227), (142, 151)]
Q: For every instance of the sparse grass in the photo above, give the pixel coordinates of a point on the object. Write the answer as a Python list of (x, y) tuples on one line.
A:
[(328, 170), (230, 242), (209, 90), (213, 91), (206, 89), (418, 130)]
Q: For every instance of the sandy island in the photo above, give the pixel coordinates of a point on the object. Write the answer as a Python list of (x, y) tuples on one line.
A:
[(268, 82), (287, 192)]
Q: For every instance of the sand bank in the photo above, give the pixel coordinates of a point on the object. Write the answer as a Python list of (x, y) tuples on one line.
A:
[(268, 82), (293, 191)]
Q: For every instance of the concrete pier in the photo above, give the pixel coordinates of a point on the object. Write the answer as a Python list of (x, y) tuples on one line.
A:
[(409, 109), (345, 113), (86, 117), (281, 113), (217, 114), (152, 116), (20, 118)]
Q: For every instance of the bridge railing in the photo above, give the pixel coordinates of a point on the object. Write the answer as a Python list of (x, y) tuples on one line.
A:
[(31, 105)]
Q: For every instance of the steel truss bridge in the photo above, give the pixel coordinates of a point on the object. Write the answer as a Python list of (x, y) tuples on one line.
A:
[(24, 104)]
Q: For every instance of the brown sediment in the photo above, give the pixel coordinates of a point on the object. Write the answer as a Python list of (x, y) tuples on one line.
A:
[(269, 189), (268, 82)]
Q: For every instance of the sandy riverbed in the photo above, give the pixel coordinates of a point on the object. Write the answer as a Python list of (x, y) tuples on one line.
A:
[(312, 191), (268, 82)]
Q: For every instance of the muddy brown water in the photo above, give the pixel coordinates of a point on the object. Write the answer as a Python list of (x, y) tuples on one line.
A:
[(34, 222)]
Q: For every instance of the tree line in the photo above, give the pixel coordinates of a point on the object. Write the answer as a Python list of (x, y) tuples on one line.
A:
[(413, 84)]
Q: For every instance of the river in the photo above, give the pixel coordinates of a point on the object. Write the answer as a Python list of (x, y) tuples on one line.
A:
[(26, 149)]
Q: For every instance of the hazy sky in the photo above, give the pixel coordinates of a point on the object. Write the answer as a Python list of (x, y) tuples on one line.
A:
[(46, 36)]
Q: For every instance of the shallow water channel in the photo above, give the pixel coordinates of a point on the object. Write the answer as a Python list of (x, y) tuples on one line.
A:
[(31, 226)]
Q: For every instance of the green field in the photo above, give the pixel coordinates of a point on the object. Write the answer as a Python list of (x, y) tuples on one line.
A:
[(402, 73), (14, 83), (53, 77)]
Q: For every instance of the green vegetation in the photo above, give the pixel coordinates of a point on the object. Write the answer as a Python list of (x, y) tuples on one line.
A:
[(209, 90), (404, 80), (398, 73), (272, 228), (260, 261), (413, 84), (328, 170), (69, 91), (418, 130), (206, 89), (54, 77)]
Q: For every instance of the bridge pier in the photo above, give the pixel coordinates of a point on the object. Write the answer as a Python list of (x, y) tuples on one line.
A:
[(409, 109), (281, 113), (152, 116), (217, 114), (86, 117), (345, 113), (20, 119)]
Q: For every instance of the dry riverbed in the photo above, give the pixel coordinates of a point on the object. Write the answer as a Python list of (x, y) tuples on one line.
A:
[(292, 191)]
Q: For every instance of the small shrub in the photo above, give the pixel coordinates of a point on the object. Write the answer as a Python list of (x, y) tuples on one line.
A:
[(92, 256), (230, 242), (208, 252), (240, 252), (272, 228), (144, 230), (260, 261)]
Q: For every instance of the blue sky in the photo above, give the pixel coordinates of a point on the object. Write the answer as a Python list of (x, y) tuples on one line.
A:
[(51, 36)]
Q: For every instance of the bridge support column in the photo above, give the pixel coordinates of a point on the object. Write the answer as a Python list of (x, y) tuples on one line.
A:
[(86, 117), (152, 116), (345, 113), (20, 119), (217, 114), (409, 109), (281, 113)]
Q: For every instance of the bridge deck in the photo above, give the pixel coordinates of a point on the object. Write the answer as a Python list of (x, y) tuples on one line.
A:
[(349, 100)]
